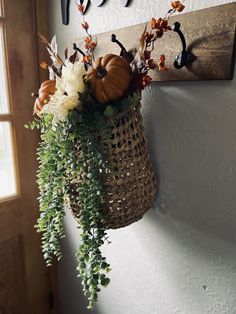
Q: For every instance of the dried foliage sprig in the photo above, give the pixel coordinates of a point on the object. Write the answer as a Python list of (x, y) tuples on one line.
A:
[(57, 62), (90, 43), (143, 61)]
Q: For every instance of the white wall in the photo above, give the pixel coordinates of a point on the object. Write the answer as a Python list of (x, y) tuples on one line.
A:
[(181, 257)]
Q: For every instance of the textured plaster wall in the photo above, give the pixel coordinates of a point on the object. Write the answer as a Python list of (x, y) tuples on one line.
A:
[(181, 257)]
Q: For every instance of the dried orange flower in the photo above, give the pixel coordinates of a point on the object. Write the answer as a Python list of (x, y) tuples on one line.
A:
[(80, 7), (164, 24), (159, 32), (161, 64), (89, 43), (178, 6), (153, 23), (160, 24), (85, 25), (162, 58), (44, 65), (87, 59)]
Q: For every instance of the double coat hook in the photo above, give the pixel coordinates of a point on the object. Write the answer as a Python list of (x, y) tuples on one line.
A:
[(184, 57)]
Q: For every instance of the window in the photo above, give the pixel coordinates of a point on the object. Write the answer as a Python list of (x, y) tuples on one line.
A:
[(4, 102), (8, 186), (7, 173)]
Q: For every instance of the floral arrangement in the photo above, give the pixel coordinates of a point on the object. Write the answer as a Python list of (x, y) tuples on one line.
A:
[(80, 97)]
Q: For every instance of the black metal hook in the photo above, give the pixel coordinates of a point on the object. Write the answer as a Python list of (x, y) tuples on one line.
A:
[(184, 57), (65, 11)]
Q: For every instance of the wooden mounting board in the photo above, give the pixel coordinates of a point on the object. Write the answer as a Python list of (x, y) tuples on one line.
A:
[(209, 34)]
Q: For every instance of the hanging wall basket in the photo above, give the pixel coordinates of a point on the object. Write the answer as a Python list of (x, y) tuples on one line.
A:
[(93, 153), (131, 188)]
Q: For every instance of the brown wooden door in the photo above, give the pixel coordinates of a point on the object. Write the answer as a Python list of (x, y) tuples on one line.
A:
[(24, 279)]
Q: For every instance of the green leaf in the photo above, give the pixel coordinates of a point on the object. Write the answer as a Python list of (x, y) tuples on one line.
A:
[(110, 111), (105, 282)]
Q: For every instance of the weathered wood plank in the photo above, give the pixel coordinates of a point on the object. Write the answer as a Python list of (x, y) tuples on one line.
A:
[(210, 36)]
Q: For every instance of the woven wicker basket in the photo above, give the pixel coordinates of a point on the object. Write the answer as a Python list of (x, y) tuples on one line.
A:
[(132, 188)]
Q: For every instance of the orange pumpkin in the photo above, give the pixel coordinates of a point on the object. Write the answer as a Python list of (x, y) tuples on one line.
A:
[(46, 90), (109, 78)]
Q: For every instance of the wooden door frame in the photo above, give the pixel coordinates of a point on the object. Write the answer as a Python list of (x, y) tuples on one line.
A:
[(21, 211), (41, 22)]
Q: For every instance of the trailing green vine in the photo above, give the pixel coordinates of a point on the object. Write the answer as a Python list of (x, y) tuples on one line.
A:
[(66, 152), (92, 266), (52, 186)]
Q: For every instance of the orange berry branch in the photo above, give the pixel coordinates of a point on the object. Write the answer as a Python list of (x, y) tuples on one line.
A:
[(141, 62)]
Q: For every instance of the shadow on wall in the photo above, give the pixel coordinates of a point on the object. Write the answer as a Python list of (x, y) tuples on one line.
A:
[(70, 289), (193, 146), (71, 297)]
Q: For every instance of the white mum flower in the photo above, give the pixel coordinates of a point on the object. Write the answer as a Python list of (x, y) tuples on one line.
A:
[(72, 75), (67, 92)]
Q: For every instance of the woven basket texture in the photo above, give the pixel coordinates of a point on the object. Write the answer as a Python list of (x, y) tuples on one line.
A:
[(131, 189)]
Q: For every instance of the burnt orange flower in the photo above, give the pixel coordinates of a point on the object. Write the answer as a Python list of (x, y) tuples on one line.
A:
[(89, 43), (178, 6), (80, 8), (44, 65), (164, 24), (87, 59), (159, 32), (160, 24), (161, 64), (162, 58), (85, 25), (153, 23)]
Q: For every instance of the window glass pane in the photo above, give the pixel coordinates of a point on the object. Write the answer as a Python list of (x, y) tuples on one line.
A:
[(4, 101), (7, 169)]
